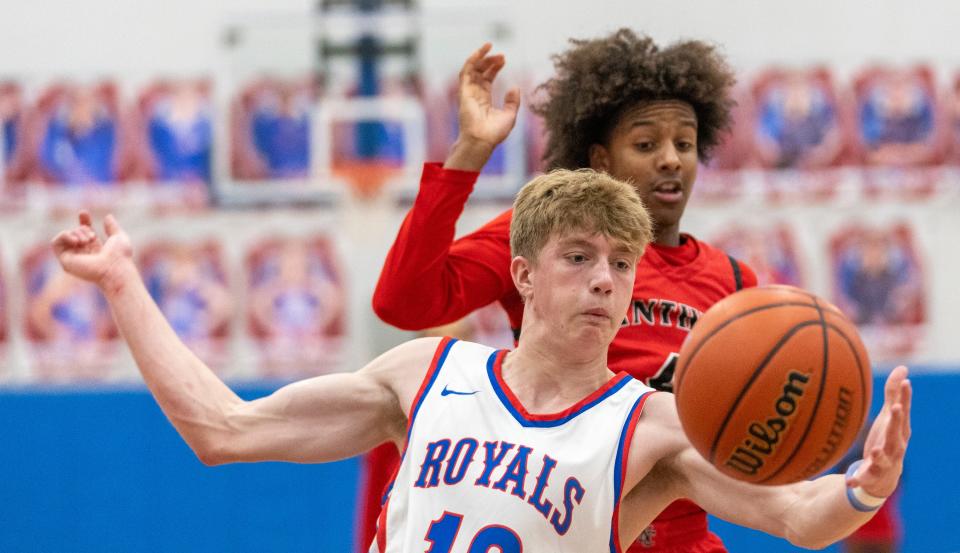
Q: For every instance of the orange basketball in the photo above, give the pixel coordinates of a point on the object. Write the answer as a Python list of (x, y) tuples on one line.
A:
[(773, 385)]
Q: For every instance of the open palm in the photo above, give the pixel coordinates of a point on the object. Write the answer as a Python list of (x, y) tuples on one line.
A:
[(886, 443), (82, 254), (479, 118)]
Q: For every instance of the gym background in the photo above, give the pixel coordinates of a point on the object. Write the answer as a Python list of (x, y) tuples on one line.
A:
[(262, 157)]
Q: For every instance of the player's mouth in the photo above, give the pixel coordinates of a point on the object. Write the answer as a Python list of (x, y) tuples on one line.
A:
[(668, 191), (598, 314)]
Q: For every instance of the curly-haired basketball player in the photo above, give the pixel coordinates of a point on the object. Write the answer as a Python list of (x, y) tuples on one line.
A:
[(620, 104)]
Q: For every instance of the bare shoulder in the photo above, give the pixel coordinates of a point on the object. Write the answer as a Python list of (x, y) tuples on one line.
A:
[(659, 417), (657, 440), (402, 368)]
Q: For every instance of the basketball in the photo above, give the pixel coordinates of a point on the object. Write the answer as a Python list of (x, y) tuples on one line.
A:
[(772, 385)]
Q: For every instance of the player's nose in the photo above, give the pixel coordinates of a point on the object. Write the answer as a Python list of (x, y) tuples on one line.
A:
[(602, 278), (669, 158)]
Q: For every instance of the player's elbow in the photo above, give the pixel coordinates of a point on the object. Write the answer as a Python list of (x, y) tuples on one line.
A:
[(210, 459), (213, 452), (211, 433), (384, 308), (807, 542), (394, 313)]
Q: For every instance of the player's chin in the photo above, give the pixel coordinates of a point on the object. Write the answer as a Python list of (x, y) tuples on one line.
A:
[(667, 215), (594, 332)]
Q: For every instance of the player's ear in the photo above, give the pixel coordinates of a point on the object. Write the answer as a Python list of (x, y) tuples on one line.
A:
[(521, 270), (599, 158)]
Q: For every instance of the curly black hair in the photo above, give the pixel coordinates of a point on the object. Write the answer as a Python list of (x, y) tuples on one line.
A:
[(598, 79)]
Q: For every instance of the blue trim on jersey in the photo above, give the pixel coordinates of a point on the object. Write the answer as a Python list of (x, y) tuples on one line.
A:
[(431, 378), (435, 370), (544, 423), (618, 465)]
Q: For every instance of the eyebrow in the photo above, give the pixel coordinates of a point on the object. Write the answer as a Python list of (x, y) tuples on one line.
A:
[(569, 242), (692, 123), (572, 242)]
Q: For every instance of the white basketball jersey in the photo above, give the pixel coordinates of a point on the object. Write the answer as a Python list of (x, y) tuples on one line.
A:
[(480, 474)]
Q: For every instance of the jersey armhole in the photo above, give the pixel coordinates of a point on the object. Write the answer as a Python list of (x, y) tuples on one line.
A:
[(439, 356), (620, 467)]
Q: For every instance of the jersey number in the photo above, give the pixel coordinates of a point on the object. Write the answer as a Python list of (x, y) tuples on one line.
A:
[(663, 380), (443, 532)]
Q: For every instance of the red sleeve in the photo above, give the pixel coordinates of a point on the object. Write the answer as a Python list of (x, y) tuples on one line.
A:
[(428, 279)]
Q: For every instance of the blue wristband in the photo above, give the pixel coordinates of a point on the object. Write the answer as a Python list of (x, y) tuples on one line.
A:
[(858, 497)]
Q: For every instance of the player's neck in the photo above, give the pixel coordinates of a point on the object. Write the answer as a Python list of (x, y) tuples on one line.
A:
[(547, 378), (668, 236)]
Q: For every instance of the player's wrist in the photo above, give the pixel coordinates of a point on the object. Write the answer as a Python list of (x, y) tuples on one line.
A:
[(118, 277), (469, 154), (859, 498)]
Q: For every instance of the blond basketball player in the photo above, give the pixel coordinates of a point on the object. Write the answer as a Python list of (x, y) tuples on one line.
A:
[(538, 449)]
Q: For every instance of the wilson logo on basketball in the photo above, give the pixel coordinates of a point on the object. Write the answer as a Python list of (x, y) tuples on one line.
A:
[(749, 457)]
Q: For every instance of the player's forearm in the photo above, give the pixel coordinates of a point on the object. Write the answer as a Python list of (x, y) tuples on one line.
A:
[(811, 514), (189, 393), (822, 514), (416, 286)]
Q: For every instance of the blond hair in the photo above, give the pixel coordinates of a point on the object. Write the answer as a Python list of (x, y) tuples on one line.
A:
[(563, 201)]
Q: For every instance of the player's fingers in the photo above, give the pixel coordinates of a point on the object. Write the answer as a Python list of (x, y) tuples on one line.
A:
[(493, 68), (472, 74), (891, 389), (63, 240), (511, 100), (110, 225), (903, 370), (477, 74), (475, 57), (86, 233), (906, 400), (893, 441), (85, 218), (482, 50)]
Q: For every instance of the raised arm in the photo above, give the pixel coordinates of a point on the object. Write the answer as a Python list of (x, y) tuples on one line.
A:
[(316, 420), (427, 278), (810, 514)]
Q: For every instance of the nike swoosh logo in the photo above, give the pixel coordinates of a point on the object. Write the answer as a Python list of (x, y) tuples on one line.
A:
[(446, 392)]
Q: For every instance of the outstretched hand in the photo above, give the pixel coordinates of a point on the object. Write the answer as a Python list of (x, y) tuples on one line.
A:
[(82, 254), (886, 444), (482, 125)]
